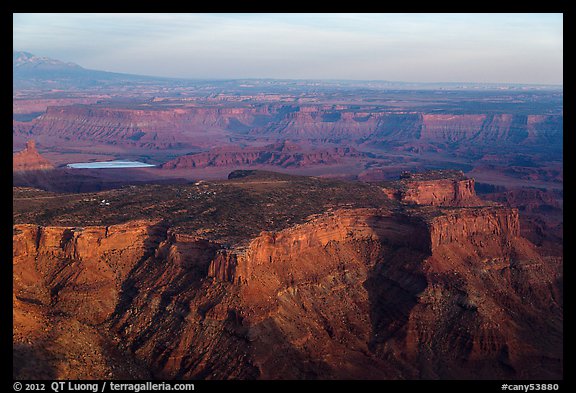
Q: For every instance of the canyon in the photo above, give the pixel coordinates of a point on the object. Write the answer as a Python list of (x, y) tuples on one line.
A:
[(156, 125), (287, 229), (513, 138), (380, 289)]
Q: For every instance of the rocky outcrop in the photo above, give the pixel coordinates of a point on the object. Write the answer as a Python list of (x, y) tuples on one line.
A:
[(476, 225), (541, 218), (373, 293), (66, 281), (441, 193), (29, 159), (269, 248), (223, 267), (71, 265), (435, 188)]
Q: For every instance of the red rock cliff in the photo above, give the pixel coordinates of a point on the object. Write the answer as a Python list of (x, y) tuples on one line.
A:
[(355, 293), (440, 188), (473, 224), (68, 267), (441, 193), (166, 127)]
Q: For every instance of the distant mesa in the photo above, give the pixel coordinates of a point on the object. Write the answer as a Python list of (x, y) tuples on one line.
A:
[(283, 154), (436, 188), (29, 159), (160, 126)]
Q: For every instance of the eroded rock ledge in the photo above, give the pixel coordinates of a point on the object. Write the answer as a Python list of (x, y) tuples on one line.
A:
[(412, 292)]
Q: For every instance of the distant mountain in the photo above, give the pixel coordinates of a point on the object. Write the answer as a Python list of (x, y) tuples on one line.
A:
[(31, 71), (25, 62), (36, 72)]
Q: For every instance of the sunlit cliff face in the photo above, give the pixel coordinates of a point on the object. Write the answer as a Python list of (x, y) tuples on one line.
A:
[(402, 291)]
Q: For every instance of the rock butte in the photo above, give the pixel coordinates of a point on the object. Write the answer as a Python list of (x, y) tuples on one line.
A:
[(436, 285), (436, 188), (29, 159)]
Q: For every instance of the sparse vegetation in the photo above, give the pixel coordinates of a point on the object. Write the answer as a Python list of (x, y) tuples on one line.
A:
[(234, 209)]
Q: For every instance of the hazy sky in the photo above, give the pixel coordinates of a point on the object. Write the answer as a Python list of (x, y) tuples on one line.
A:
[(507, 48)]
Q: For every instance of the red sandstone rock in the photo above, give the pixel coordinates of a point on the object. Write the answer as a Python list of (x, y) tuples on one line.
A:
[(172, 127), (359, 293), (436, 188), (29, 159), (441, 193)]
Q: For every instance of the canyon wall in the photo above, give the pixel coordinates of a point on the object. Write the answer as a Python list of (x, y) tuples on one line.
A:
[(140, 127), (354, 293), (440, 193), (78, 270), (162, 127), (434, 188), (474, 225)]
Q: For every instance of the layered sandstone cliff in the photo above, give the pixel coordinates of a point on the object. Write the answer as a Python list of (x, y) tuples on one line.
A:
[(441, 193), (143, 127), (66, 267), (475, 225), (29, 159), (169, 127), (436, 188), (352, 293)]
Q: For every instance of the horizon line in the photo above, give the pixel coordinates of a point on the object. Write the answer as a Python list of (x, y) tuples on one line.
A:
[(557, 85)]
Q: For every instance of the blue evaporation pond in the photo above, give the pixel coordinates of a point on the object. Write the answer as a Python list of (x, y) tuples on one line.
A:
[(109, 164)]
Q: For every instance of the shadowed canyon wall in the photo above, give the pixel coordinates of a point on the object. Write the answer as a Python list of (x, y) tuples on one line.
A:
[(355, 293)]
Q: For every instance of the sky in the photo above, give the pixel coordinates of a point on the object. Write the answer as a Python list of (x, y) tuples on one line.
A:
[(484, 48)]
